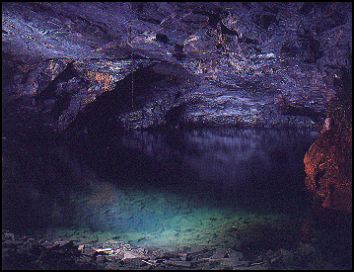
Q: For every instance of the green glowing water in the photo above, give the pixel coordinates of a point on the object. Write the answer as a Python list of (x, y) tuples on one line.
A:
[(159, 220), (226, 188)]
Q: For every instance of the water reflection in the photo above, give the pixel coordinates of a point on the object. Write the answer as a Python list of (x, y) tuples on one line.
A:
[(173, 186), (230, 159)]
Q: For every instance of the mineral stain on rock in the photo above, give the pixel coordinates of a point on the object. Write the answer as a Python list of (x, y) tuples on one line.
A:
[(328, 161)]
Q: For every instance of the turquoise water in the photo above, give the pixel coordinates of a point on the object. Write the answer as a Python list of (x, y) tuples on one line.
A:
[(175, 189)]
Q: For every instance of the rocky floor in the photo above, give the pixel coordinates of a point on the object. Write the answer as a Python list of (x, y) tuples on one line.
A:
[(28, 253)]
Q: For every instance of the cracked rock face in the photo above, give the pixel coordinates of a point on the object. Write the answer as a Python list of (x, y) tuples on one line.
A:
[(146, 65), (328, 162)]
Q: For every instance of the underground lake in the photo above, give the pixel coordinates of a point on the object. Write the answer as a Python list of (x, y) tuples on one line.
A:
[(173, 190)]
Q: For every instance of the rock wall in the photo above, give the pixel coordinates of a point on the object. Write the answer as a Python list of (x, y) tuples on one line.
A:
[(247, 64), (328, 162)]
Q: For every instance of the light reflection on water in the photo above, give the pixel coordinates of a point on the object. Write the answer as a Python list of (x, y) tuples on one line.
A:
[(182, 187)]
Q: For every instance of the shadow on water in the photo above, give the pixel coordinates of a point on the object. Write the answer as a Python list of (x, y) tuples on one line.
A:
[(166, 188), (214, 163)]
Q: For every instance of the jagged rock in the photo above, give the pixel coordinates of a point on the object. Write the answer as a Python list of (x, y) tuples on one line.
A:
[(165, 254), (90, 252), (219, 253), (283, 256), (63, 244), (221, 64), (205, 253), (230, 262), (328, 162), (116, 257), (236, 255), (81, 248), (262, 266), (112, 266), (179, 264), (134, 258), (101, 259)]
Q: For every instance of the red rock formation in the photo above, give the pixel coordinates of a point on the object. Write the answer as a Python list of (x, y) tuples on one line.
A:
[(328, 162)]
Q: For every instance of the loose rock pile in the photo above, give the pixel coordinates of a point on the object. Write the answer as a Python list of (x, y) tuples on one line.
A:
[(28, 253)]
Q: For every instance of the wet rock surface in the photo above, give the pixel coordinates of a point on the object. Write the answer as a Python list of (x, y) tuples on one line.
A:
[(239, 64), (328, 166), (28, 253), (328, 163)]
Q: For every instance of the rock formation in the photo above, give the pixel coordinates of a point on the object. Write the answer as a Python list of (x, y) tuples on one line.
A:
[(328, 163), (239, 64)]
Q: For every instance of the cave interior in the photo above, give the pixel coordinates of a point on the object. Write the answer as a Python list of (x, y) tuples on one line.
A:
[(166, 135)]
